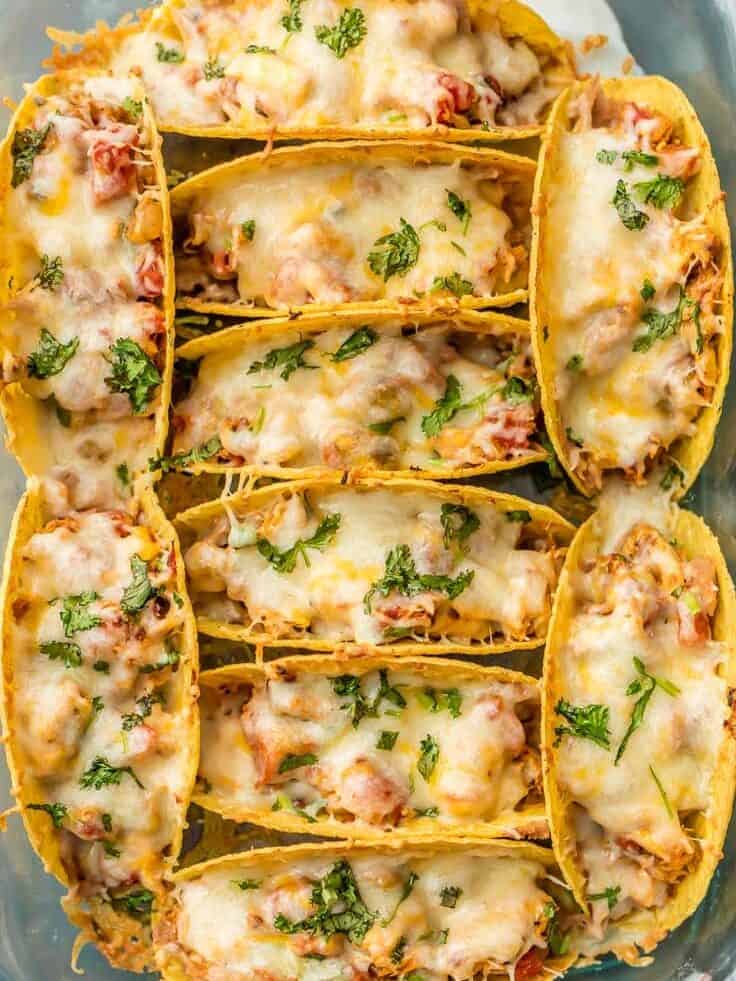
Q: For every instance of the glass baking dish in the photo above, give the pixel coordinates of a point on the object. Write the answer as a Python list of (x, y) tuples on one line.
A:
[(693, 42)]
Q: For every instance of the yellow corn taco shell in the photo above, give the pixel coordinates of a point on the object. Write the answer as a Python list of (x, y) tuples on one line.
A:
[(639, 931), (233, 341), (514, 173), (526, 820), (553, 529), (124, 940), (175, 958), (104, 47), (555, 178), (39, 433)]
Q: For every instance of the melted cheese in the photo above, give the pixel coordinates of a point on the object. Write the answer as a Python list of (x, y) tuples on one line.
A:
[(619, 406), (328, 417), (486, 766), (316, 226), (68, 705), (416, 64), (508, 594), (495, 919), (655, 609)]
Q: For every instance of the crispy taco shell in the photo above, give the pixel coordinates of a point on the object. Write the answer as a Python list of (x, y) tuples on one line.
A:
[(527, 821), (268, 860), (517, 170), (702, 195), (197, 519), (642, 930), (239, 337), (28, 419), (97, 47), (125, 941)]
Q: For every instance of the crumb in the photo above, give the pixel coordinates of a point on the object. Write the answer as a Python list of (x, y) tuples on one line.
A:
[(628, 64), (592, 42)]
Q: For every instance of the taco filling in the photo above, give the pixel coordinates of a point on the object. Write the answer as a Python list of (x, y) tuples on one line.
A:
[(94, 711), (635, 340), (374, 914), (289, 65), (381, 399), (294, 233), (373, 566), (639, 719), (374, 749), (84, 329)]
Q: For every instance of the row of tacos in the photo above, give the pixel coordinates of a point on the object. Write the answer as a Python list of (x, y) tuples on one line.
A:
[(351, 391)]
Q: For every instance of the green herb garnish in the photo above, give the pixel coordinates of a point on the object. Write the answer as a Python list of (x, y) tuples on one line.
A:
[(394, 254), (585, 722), (347, 33), (51, 356)]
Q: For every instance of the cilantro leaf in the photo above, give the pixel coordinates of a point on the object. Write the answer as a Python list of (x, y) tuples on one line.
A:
[(51, 356), (460, 208), (386, 739), (575, 363), (401, 574), (180, 461), (59, 650), (101, 773), (212, 69), (445, 408), (458, 523), (454, 283), (287, 358), (133, 107), (169, 55), (663, 325), (643, 686), (633, 157), (74, 613), (339, 908), (138, 904), (585, 722), (384, 427), (259, 49), (51, 273), (57, 812), (662, 192), (610, 894), (673, 473), (630, 216), (140, 591), (133, 373), (358, 342), (245, 884), (394, 254), (294, 762), (647, 291), (406, 891), (521, 516), (347, 33), (285, 561), (27, 144), (606, 156), (662, 793), (292, 20), (248, 228), (428, 757)]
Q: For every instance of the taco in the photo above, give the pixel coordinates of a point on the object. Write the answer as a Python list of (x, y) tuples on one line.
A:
[(407, 397), (356, 749), (413, 566), (632, 283), (86, 284), (638, 747), (440, 908), (372, 226), (434, 69), (99, 714)]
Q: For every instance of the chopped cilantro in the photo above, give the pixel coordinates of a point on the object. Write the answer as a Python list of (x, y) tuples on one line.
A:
[(394, 254), (51, 356), (347, 33), (133, 373)]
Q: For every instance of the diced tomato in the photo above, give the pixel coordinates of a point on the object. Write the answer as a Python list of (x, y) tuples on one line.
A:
[(149, 272), (458, 96), (530, 966), (110, 152)]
